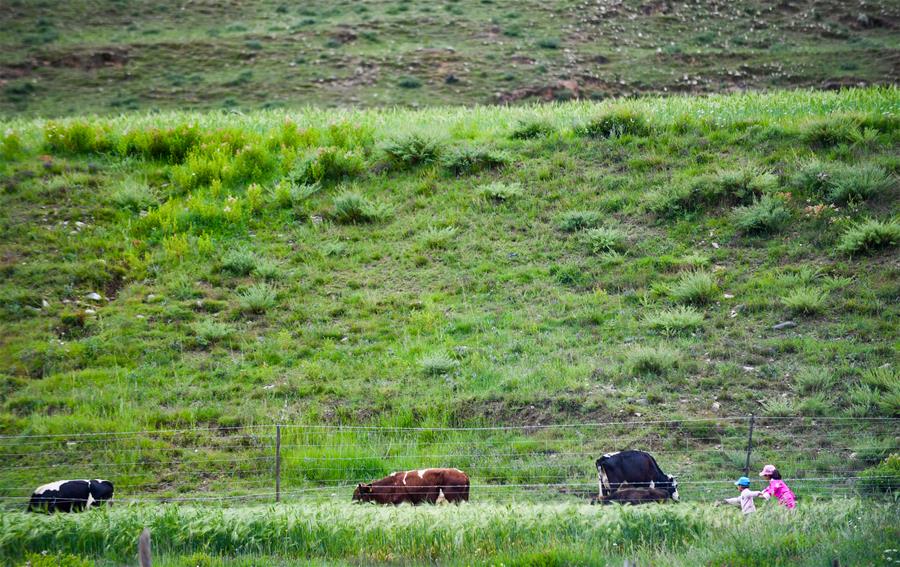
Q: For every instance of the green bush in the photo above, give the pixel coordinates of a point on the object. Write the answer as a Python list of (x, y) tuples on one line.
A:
[(238, 262), (570, 275), (743, 184), (353, 208), (870, 236), (77, 138), (209, 331), (656, 361), (548, 43), (468, 160), (605, 239), (766, 215), (885, 477), (531, 129), (805, 301), (134, 196), (830, 131), (616, 122), (437, 238), (856, 182), (327, 165), (257, 298), (695, 287), (412, 151), (812, 380), (499, 191), (437, 364), (675, 320), (408, 82), (170, 144), (55, 560), (574, 221)]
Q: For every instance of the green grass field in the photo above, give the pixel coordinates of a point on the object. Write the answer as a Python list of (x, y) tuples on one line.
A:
[(660, 267), (110, 56), (850, 531)]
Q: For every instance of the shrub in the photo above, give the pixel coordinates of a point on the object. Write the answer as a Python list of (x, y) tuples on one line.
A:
[(548, 43), (238, 262), (408, 82), (500, 191), (437, 364), (656, 361), (570, 274), (257, 298), (884, 379), (435, 238), (267, 269), (811, 380), (830, 131), (412, 151), (251, 163), (869, 236), (574, 221), (765, 215), (55, 560), (532, 129), (134, 196), (805, 300), (353, 208), (884, 477), (171, 144), (743, 184), (812, 175), (856, 182), (605, 239), (468, 160), (616, 122), (815, 405), (694, 287), (208, 332), (77, 137), (675, 320), (327, 165)]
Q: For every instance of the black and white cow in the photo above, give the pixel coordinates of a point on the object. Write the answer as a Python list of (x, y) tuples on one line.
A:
[(636, 469), (70, 495)]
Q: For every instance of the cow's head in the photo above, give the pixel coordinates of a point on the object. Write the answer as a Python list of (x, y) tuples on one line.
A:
[(101, 492), (674, 489), (363, 493)]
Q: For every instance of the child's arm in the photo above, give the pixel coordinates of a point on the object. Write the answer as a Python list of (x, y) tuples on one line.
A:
[(736, 500)]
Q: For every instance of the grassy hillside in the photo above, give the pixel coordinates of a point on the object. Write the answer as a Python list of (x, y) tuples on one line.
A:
[(626, 261), (108, 56)]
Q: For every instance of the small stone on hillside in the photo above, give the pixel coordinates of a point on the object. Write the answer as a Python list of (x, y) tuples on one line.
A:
[(94, 296), (784, 325)]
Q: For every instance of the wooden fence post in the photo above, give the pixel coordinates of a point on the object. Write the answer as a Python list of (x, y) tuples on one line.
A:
[(277, 463), (749, 446), (144, 548)]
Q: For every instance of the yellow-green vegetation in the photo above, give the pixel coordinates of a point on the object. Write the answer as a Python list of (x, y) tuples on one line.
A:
[(849, 531), (110, 56)]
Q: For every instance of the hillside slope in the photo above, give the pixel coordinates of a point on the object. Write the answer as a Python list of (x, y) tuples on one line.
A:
[(529, 265), (108, 56)]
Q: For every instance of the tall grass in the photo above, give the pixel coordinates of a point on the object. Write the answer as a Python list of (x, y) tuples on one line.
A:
[(478, 532)]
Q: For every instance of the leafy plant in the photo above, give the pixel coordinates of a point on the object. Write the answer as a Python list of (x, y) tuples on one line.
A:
[(438, 364), (209, 331), (437, 238), (605, 239), (257, 298), (328, 165), (353, 208), (574, 221), (412, 151), (616, 122), (694, 287), (805, 300), (765, 215), (869, 236), (499, 191), (675, 320), (856, 183), (531, 129), (468, 160), (238, 262), (885, 477), (656, 361)]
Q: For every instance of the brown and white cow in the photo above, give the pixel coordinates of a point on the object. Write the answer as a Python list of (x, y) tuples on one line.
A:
[(434, 486)]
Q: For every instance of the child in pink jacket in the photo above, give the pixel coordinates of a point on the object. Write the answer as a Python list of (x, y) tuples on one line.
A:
[(777, 487)]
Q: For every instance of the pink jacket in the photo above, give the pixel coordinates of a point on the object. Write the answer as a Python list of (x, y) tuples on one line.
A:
[(780, 490)]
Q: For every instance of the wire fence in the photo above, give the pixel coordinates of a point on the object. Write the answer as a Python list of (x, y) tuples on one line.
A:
[(818, 457)]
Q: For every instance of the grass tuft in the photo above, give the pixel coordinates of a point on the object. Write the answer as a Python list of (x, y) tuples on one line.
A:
[(605, 239), (870, 236), (613, 123), (675, 320), (258, 298), (574, 221), (499, 191), (766, 215), (467, 160), (412, 151), (353, 208), (697, 288), (805, 301)]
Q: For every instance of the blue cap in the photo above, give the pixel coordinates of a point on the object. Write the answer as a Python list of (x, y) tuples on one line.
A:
[(743, 481)]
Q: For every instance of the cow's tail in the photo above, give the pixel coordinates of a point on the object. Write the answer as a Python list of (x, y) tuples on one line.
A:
[(465, 490)]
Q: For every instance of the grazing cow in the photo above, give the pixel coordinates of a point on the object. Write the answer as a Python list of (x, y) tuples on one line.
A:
[(70, 495), (634, 496), (637, 468), (434, 486)]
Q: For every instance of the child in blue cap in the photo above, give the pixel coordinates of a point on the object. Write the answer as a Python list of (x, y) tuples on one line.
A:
[(745, 499)]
